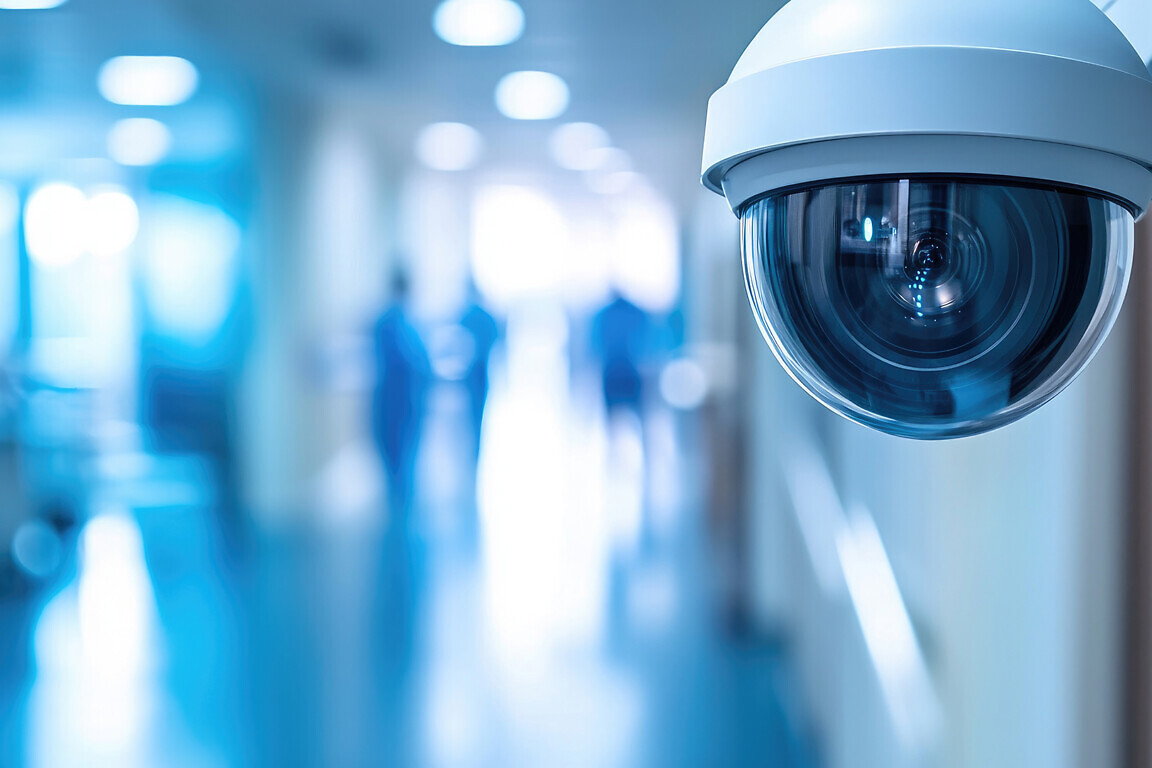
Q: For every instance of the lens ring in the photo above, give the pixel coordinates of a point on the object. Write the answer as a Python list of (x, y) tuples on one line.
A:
[(1017, 287), (918, 345), (939, 264)]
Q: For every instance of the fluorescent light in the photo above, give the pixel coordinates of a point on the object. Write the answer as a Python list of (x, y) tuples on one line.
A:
[(113, 222), (449, 146), (55, 224), (157, 81), (577, 146), (478, 22), (532, 95), (139, 141), (30, 5)]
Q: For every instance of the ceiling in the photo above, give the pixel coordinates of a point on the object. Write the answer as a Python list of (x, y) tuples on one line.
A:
[(641, 68)]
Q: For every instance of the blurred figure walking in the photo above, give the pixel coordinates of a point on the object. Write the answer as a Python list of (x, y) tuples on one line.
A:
[(403, 378), (620, 337), (483, 332)]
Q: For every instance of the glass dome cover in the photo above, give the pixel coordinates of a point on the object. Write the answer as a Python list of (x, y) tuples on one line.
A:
[(934, 308)]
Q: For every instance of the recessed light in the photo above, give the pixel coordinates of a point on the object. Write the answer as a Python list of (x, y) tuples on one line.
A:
[(139, 141), (449, 146), (532, 95), (478, 22), (155, 81), (30, 5), (577, 146)]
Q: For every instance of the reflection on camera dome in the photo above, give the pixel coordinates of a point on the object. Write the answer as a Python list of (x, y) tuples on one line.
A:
[(930, 308)]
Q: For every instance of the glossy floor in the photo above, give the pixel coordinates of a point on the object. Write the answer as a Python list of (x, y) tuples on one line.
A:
[(566, 612)]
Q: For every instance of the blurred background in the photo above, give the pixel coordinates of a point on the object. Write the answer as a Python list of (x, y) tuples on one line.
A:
[(378, 388)]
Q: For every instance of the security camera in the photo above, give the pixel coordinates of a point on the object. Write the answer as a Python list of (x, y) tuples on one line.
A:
[(936, 200)]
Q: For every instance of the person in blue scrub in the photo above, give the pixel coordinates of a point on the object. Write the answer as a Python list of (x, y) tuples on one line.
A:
[(483, 331), (403, 379), (620, 337)]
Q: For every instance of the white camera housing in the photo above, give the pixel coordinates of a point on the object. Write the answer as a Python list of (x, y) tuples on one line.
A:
[(972, 133)]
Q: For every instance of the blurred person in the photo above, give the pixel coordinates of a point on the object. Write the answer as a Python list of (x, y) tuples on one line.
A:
[(620, 337), (483, 330), (403, 378), (399, 400)]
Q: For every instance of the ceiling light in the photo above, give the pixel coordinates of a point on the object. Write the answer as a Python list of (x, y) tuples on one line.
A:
[(532, 96), (449, 146), (615, 183), (478, 22), (612, 171), (29, 5), (139, 141), (578, 146), (157, 81)]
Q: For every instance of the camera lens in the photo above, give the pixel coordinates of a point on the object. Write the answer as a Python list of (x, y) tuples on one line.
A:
[(930, 308)]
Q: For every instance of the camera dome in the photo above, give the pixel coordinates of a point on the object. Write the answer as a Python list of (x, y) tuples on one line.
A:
[(938, 271), (935, 308)]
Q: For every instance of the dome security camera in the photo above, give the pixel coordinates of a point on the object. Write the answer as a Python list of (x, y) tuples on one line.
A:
[(936, 200)]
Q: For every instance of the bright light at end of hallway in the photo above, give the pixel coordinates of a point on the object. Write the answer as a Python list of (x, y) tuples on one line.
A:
[(532, 95), (646, 261), (113, 221), (188, 270), (579, 146), (61, 223), (449, 146), (139, 141), (156, 81), (518, 238), (478, 22), (54, 224)]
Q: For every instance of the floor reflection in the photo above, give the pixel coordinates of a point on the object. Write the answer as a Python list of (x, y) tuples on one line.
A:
[(561, 615)]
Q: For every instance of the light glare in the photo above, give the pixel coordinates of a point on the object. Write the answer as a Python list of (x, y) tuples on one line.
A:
[(156, 81), (55, 221), (113, 221), (532, 95), (518, 237), (61, 223), (611, 172), (579, 146), (478, 22), (189, 267), (36, 548), (30, 5), (449, 146), (684, 384), (646, 262), (9, 209), (139, 141)]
